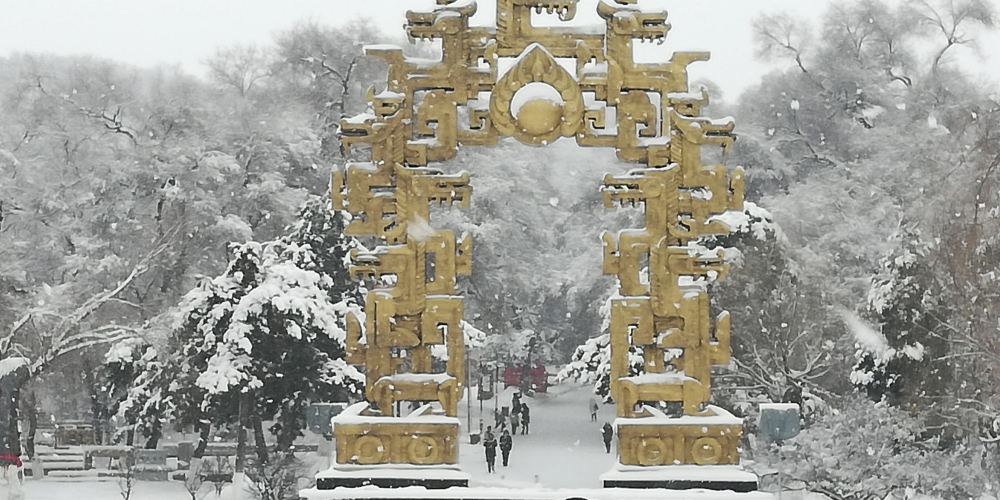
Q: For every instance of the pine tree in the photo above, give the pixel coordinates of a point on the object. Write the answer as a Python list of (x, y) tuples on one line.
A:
[(591, 364), (145, 408), (270, 330), (113, 379), (905, 299)]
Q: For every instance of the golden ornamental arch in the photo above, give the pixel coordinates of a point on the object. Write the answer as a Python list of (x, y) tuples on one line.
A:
[(602, 98)]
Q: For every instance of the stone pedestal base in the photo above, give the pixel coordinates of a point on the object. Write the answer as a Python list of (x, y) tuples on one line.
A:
[(420, 439), (655, 439), (682, 477), (420, 449), (432, 478)]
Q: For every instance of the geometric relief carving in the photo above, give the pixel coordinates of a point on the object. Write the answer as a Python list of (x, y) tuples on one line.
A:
[(707, 444), (379, 441), (539, 121), (560, 82)]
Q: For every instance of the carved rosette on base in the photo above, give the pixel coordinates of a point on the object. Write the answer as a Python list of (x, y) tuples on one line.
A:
[(647, 114)]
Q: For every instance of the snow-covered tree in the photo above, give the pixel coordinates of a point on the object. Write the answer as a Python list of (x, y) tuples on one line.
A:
[(873, 451), (146, 407), (782, 349), (111, 380), (270, 331), (908, 362), (591, 364)]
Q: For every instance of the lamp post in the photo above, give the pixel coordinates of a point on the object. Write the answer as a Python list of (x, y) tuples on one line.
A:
[(468, 391)]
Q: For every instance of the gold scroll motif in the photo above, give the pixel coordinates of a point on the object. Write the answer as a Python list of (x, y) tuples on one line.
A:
[(561, 82)]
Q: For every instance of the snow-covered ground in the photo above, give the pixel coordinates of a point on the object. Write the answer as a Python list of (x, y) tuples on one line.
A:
[(562, 451), (49, 489)]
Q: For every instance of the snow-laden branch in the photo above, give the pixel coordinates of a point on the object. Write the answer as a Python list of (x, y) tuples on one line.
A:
[(66, 337)]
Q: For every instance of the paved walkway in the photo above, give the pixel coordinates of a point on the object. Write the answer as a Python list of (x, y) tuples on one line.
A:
[(563, 450)]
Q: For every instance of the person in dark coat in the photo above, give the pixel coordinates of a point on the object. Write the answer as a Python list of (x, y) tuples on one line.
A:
[(607, 432), (525, 418), (506, 443), (490, 443)]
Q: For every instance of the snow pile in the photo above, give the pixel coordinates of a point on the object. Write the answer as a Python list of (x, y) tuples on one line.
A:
[(11, 365), (126, 351)]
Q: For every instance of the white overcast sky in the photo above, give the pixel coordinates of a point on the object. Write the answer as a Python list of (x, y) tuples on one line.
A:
[(185, 32)]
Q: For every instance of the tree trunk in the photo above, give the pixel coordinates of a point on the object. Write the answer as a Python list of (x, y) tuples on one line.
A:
[(98, 422), (10, 396), (31, 413), (204, 430), (258, 436), (289, 425), (13, 436), (241, 436), (154, 436)]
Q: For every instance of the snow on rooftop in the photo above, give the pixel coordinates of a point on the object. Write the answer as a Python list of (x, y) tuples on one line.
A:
[(733, 219), (716, 416), (381, 46), (686, 96), (355, 415), (10, 365), (779, 406), (388, 94), (360, 118)]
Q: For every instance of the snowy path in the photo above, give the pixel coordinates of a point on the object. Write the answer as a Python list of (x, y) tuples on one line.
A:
[(563, 449), (49, 489)]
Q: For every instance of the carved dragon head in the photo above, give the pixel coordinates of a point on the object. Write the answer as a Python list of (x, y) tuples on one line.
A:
[(638, 186), (451, 17), (629, 21), (358, 129)]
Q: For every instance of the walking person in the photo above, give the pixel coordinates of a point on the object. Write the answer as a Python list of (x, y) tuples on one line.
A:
[(515, 422), (525, 418), (490, 443), (593, 410), (607, 432), (506, 443)]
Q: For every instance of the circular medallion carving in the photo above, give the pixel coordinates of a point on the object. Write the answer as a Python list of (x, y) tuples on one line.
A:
[(369, 450), (424, 450), (653, 451), (706, 451), (537, 121)]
